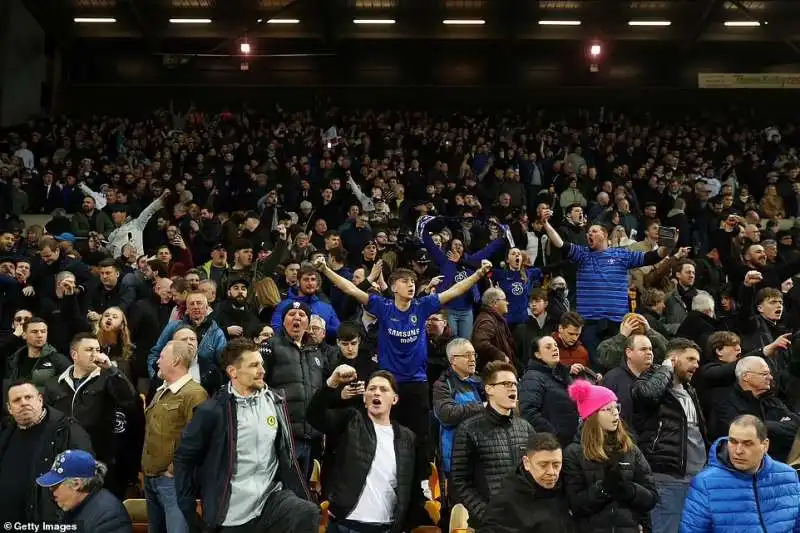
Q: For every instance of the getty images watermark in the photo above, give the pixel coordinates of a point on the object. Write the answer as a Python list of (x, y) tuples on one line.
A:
[(38, 527)]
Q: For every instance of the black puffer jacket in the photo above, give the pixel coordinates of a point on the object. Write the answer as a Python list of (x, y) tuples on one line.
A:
[(487, 448), (356, 452), (296, 373), (593, 508), (61, 433), (544, 402), (660, 422)]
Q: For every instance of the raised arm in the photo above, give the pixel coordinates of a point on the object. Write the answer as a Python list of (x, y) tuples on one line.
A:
[(343, 284), (552, 234), (462, 286)]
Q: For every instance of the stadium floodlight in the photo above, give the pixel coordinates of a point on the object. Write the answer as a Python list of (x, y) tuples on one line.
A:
[(464, 22), (742, 23), (190, 21), (559, 23), (373, 21), (94, 20), (649, 23), (283, 21)]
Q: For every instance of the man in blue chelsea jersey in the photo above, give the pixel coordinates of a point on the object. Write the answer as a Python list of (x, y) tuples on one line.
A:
[(402, 342)]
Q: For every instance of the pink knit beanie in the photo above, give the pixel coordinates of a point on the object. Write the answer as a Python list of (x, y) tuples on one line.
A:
[(590, 398)]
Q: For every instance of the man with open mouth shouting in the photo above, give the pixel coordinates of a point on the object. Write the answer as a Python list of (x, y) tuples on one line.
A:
[(402, 340), (376, 481)]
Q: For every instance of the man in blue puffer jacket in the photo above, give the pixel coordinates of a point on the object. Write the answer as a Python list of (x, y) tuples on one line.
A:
[(743, 489)]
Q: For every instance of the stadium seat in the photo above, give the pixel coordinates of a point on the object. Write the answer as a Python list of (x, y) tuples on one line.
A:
[(459, 520), (137, 510)]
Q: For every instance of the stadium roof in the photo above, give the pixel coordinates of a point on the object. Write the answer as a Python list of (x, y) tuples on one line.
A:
[(504, 20)]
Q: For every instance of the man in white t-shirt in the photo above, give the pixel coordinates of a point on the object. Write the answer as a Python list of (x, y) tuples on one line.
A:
[(376, 482)]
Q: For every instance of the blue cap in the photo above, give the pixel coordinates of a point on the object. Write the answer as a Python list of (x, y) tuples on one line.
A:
[(69, 464), (68, 237)]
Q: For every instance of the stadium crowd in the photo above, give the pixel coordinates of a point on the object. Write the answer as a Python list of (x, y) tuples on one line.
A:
[(267, 322)]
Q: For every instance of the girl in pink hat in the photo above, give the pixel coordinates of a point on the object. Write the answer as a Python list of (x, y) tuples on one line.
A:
[(607, 479)]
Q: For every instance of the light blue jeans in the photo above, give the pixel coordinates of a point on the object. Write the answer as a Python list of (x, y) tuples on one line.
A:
[(162, 506), (460, 322), (666, 515)]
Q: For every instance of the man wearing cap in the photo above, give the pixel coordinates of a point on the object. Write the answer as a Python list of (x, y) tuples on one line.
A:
[(129, 230), (258, 234), (245, 267), (89, 218), (76, 483), (296, 366), (216, 268), (28, 446), (233, 315)]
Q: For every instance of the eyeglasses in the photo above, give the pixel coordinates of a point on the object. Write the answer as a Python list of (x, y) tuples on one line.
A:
[(506, 384), (21, 318), (614, 409), (468, 355)]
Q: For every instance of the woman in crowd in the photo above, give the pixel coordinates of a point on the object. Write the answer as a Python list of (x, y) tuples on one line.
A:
[(607, 479), (115, 341), (517, 280), (267, 298), (456, 265)]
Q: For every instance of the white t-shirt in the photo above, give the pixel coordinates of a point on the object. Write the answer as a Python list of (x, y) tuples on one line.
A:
[(376, 503)]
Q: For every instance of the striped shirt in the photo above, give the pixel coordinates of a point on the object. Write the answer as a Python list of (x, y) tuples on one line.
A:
[(602, 288)]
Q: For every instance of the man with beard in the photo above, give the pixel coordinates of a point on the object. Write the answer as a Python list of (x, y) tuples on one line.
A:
[(233, 315), (89, 218), (244, 425), (755, 258), (672, 432)]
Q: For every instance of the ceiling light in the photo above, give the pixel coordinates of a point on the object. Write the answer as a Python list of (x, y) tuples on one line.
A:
[(283, 21), (190, 21), (559, 23), (464, 22), (94, 19), (373, 21), (742, 23), (649, 23)]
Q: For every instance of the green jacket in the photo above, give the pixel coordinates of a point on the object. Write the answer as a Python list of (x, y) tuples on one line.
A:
[(80, 224), (611, 352)]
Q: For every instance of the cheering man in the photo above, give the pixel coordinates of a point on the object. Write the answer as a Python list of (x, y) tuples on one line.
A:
[(402, 342)]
